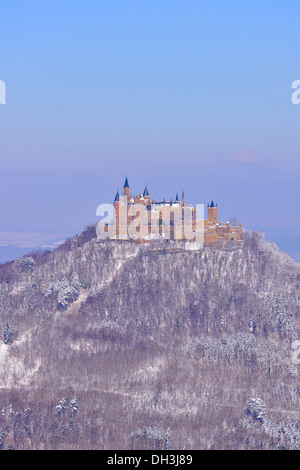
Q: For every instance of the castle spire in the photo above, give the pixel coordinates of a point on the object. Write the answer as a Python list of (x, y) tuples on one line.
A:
[(117, 198), (126, 190), (146, 192)]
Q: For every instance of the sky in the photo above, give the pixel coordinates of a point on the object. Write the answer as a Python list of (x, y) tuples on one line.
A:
[(181, 95)]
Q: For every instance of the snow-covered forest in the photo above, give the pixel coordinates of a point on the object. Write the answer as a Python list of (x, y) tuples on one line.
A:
[(118, 345)]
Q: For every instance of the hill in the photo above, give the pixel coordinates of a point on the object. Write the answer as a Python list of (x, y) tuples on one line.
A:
[(116, 345)]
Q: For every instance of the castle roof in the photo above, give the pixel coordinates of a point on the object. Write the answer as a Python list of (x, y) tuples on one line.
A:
[(117, 198), (146, 192), (126, 184)]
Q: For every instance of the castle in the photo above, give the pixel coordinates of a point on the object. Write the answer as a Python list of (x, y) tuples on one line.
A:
[(143, 219)]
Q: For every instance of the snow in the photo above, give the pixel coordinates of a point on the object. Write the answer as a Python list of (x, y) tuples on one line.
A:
[(3, 353)]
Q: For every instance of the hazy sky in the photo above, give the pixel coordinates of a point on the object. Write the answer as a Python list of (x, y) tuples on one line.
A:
[(187, 94)]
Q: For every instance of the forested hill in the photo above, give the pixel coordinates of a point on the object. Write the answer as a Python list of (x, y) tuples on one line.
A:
[(111, 345)]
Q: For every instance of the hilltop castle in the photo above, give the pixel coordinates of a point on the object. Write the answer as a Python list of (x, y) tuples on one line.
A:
[(143, 219)]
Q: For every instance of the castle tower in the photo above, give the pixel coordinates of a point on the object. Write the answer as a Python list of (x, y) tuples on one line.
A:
[(182, 199), (117, 211), (117, 198), (212, 213), (126, 187), (126, 190), (146, 195)]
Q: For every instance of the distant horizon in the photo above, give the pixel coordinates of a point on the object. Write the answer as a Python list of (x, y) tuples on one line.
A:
[(287, 243)]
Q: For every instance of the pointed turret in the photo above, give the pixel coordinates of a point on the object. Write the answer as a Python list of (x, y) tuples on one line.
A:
[(117, 198), (126, 189), (146, 192)]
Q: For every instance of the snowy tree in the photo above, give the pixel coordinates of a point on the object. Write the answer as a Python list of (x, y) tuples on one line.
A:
[(73, 406), (27, 262), (7, 334), (67, 290), (256, 408)]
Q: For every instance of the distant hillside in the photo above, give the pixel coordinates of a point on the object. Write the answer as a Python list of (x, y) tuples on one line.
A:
[(115, 345)]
